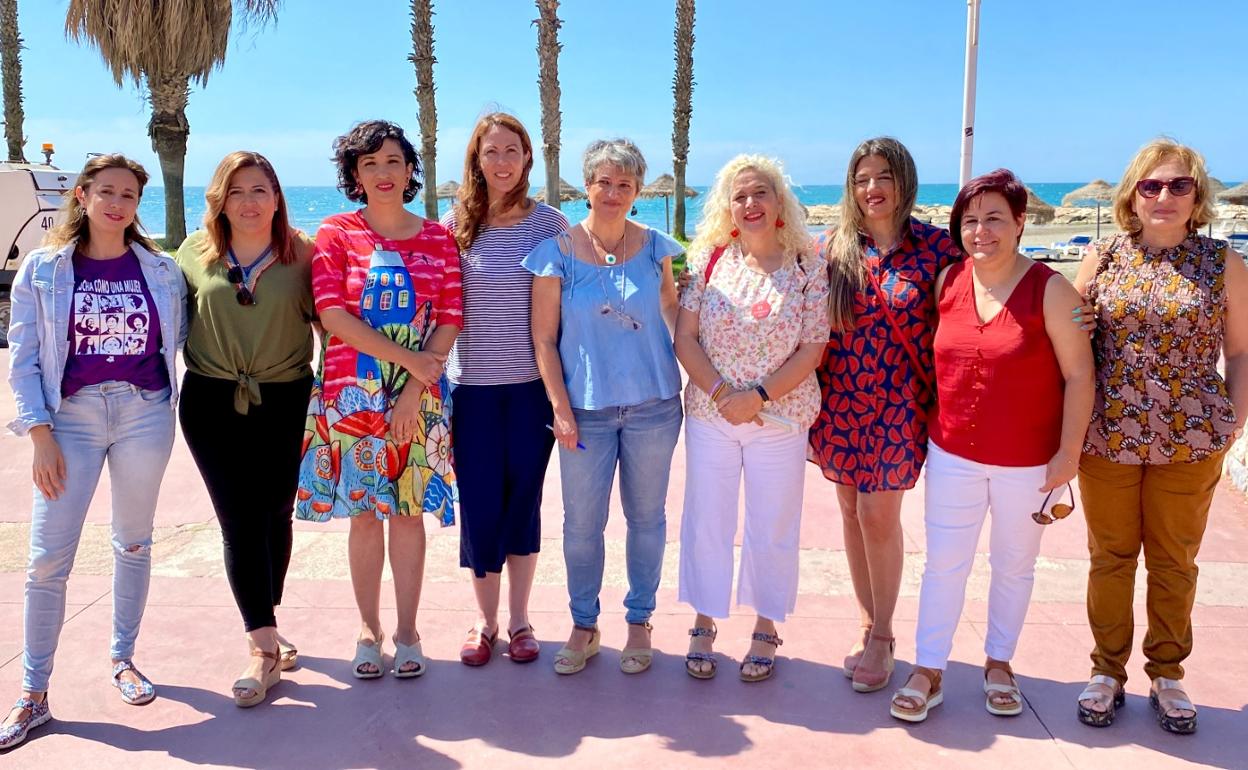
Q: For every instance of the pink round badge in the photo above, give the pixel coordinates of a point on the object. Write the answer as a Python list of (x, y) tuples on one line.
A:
[(761, 309)]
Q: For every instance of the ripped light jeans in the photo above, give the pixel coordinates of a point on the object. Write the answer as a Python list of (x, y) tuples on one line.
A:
[(133, 430)]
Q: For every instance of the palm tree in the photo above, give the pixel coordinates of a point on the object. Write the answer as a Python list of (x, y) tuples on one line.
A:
[(163, 45), (548, 49), (682, 89), (422, 57), (11, 66)]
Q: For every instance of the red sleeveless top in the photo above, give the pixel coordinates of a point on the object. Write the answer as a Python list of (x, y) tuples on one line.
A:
[(998, 384)]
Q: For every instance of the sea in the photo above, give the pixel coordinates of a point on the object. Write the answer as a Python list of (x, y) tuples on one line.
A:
[(308, 206)]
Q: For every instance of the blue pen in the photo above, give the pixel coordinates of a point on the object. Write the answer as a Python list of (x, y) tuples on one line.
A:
[(579, 445)]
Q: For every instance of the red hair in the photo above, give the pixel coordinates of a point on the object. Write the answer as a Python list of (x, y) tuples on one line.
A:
[(1000, 181)]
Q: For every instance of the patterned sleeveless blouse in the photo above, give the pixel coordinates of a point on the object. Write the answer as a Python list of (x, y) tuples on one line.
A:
[(1160, 321)]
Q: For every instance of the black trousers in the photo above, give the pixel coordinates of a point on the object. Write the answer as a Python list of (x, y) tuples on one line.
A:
[(502, 446), (250, 464)]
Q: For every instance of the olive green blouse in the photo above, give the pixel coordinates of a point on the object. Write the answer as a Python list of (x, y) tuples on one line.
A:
[(269, 341)]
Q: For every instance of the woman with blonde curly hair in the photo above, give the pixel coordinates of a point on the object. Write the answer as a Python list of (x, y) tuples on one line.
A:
[(1169, 303), (755, 277)]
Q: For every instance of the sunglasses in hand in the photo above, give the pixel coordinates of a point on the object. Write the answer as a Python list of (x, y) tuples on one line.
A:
[(1059, 510)]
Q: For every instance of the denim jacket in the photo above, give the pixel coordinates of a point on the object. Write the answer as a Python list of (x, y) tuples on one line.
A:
[(39, 326)]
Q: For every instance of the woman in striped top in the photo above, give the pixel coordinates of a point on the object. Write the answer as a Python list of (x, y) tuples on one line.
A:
[(502, 444)]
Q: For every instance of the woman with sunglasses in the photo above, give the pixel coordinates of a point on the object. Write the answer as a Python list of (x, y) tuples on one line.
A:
[(1013, 398), (377, 441), (604, 305), (1169, 303), (83, 407), (248, 375)]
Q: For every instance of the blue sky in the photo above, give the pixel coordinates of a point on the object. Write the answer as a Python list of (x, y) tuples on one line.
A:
[(1068, 89)]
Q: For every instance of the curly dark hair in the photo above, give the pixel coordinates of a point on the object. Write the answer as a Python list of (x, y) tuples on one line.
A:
[(366, 138)]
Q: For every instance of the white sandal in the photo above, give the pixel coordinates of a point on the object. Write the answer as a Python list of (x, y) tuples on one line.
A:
[(925, 703), (405, 654), (993, 688), (365, 654)]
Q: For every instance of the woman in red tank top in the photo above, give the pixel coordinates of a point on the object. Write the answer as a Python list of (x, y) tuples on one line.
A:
[(1014, 385)]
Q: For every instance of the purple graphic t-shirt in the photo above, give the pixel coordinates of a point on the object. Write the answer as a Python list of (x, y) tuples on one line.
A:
[(114, 333)]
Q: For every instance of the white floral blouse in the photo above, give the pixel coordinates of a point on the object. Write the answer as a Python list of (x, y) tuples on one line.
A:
[(751, 322)]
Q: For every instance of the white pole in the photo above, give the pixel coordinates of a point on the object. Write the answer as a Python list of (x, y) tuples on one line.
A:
[(968, 92)]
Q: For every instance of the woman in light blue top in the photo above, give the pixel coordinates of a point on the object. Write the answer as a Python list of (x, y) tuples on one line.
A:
[(604, 304)]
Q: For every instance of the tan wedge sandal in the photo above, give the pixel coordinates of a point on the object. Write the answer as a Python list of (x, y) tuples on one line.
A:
[(919, 704), (259, 687)]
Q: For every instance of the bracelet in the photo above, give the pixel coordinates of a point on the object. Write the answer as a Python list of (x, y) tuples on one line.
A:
[(715, 386), (719, 391)]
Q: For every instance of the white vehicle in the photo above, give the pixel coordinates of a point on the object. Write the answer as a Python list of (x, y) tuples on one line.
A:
[(30, 197)]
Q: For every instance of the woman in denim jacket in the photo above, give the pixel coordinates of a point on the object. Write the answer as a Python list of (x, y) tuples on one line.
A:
[(98, 316)]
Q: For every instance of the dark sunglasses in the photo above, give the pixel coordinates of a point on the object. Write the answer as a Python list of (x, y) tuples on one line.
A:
[(244, 296), (1059, 510), (1180, 185)]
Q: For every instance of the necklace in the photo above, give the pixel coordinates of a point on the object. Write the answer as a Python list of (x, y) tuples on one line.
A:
[(608, 255), (608, 308)]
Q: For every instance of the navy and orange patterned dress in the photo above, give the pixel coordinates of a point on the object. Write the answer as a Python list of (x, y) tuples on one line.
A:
[(871, 432)]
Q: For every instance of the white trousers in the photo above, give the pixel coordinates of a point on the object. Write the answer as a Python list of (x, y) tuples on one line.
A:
[(774, 462), (958, 495)]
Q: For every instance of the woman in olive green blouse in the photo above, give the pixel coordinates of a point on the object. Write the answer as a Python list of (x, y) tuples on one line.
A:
[(248, 377)]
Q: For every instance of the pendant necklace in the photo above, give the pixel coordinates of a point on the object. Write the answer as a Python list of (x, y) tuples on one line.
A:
[(608, 255)]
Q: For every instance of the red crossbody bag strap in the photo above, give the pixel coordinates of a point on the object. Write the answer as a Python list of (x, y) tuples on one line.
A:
[(900, 336), (710, 265)]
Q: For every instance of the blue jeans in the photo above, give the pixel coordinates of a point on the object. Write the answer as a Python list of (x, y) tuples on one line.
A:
[(133, 430), (641, 438)]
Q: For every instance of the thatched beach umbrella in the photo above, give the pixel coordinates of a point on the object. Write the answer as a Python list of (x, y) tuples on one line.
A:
[(665, 187), (1216, 185), (1038, 212), (1098, 191), (448, 189), (566, 192), (1237, 195)]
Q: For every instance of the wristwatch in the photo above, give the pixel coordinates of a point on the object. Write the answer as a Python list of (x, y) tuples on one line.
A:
[(761, 391)]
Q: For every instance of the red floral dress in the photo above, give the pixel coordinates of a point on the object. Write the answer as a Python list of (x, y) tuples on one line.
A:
[(404, 289), (871, 432)]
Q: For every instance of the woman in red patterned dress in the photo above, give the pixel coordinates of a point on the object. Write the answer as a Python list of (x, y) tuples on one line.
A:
[(870, 437), (377, 442)]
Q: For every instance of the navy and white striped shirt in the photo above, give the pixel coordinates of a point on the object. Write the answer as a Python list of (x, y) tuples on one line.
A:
[(495, 346)]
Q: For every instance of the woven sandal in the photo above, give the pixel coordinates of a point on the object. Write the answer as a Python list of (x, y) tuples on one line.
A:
[(761, 660), (134, 693), (288, 652), (634, 660), (708, 657), (1112, 701), (569, 661), (920, 703), (16, 733)]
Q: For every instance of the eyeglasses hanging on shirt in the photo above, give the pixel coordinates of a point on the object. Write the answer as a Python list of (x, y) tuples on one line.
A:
[(241, 276)]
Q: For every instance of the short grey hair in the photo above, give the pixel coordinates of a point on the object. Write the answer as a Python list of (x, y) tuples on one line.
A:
[(616, 152)]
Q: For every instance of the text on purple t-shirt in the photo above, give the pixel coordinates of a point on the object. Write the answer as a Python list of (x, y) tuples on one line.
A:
[(114, 333)]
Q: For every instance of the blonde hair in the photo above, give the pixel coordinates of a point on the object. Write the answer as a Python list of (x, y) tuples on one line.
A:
[(845, 253), (715, 228), (1150, 157), (74, 223), (218, 225)]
